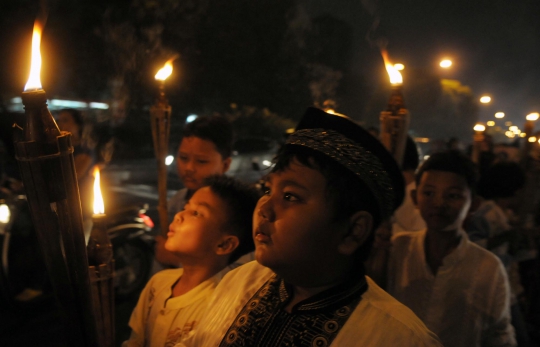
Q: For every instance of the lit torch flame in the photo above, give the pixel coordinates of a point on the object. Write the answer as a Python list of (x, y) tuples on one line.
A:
[(34, 81), (99, 207), (165, 71), (395, 75)]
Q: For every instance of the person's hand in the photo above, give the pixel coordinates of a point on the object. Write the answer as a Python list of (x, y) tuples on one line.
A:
[(164, 256)]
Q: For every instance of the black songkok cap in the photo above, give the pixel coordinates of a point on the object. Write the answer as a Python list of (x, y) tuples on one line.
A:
[(346, 142)]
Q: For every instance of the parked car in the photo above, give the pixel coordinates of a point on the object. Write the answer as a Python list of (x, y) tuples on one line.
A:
[(252, 158)]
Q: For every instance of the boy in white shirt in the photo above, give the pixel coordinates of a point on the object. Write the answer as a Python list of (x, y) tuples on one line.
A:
[(459, 290), (212, 232)]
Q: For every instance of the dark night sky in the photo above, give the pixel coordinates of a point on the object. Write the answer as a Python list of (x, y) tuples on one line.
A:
[(494, 44)]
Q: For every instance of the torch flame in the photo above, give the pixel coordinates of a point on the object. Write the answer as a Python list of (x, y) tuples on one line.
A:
[(479, 127), (99, 207), (395, 75), (165, 71), (34, 81)]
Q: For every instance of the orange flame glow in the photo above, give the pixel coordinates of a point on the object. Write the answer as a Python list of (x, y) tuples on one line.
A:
[(34, 81), (99, 207), (165, 71), (395, 75)]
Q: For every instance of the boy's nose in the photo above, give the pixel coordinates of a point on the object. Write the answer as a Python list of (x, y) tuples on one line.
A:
[(179, 216), (190, 166), (265, 210), (438, 201)]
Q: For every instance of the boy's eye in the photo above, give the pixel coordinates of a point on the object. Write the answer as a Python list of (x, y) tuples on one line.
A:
[(182, 158), (195, 213), (427, 193), (290, 197), (265, 190), (454, 196), (202, 161)]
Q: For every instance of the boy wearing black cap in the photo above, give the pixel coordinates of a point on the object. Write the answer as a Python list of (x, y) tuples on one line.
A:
[(332, 184)]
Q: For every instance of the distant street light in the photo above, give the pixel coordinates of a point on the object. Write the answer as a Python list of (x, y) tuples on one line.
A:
[(445, 64), (499, 115), (532, 116), (191, 118), (490, 123), (485, 99)]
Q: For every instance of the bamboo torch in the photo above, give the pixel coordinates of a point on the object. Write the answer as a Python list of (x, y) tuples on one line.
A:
[(100, 259), (45, 158), (160, 118), (395, 119), (528, 129), (478, 138)]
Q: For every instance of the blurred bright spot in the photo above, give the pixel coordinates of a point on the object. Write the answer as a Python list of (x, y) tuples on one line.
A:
[(445, 64), (99, 105), (267, 163), (331, 111), (34, 81), (485, 99), (165, 71), (510, 134), (191, 118), (399, 67), (99, 207), (490, 123), (532, 116), (5, 214), (522, 135), (169, 159), (479, 127), (508, 124), (68, 103), (422, 139), (393, 73), (513, 128), (532, 139), (499, 115), (426, 157)]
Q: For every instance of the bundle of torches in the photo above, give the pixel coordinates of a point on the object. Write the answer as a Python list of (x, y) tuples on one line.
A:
[(81, 275)]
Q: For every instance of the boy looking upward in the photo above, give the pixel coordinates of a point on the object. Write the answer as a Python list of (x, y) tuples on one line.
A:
[(458, 289), (330, 187), (205, 150), (212, 232)]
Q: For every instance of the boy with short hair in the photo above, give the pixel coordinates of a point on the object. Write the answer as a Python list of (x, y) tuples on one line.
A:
[(330, 187), (205, 150), (458, 289), (211, 233)]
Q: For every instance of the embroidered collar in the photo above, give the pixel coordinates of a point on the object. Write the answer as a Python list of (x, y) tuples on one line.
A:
[(328, 299)]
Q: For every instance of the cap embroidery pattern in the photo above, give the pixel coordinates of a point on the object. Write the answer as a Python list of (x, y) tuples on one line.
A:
[(354, 157)]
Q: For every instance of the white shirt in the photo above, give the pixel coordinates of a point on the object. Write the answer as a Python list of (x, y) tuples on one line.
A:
[(467, 303), (162, 320), (407, 217), (378, 320)]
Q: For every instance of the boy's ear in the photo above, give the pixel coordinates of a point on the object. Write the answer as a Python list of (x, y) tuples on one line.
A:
[(227, 244), (227, 164), (360, 225), (413, 197)]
